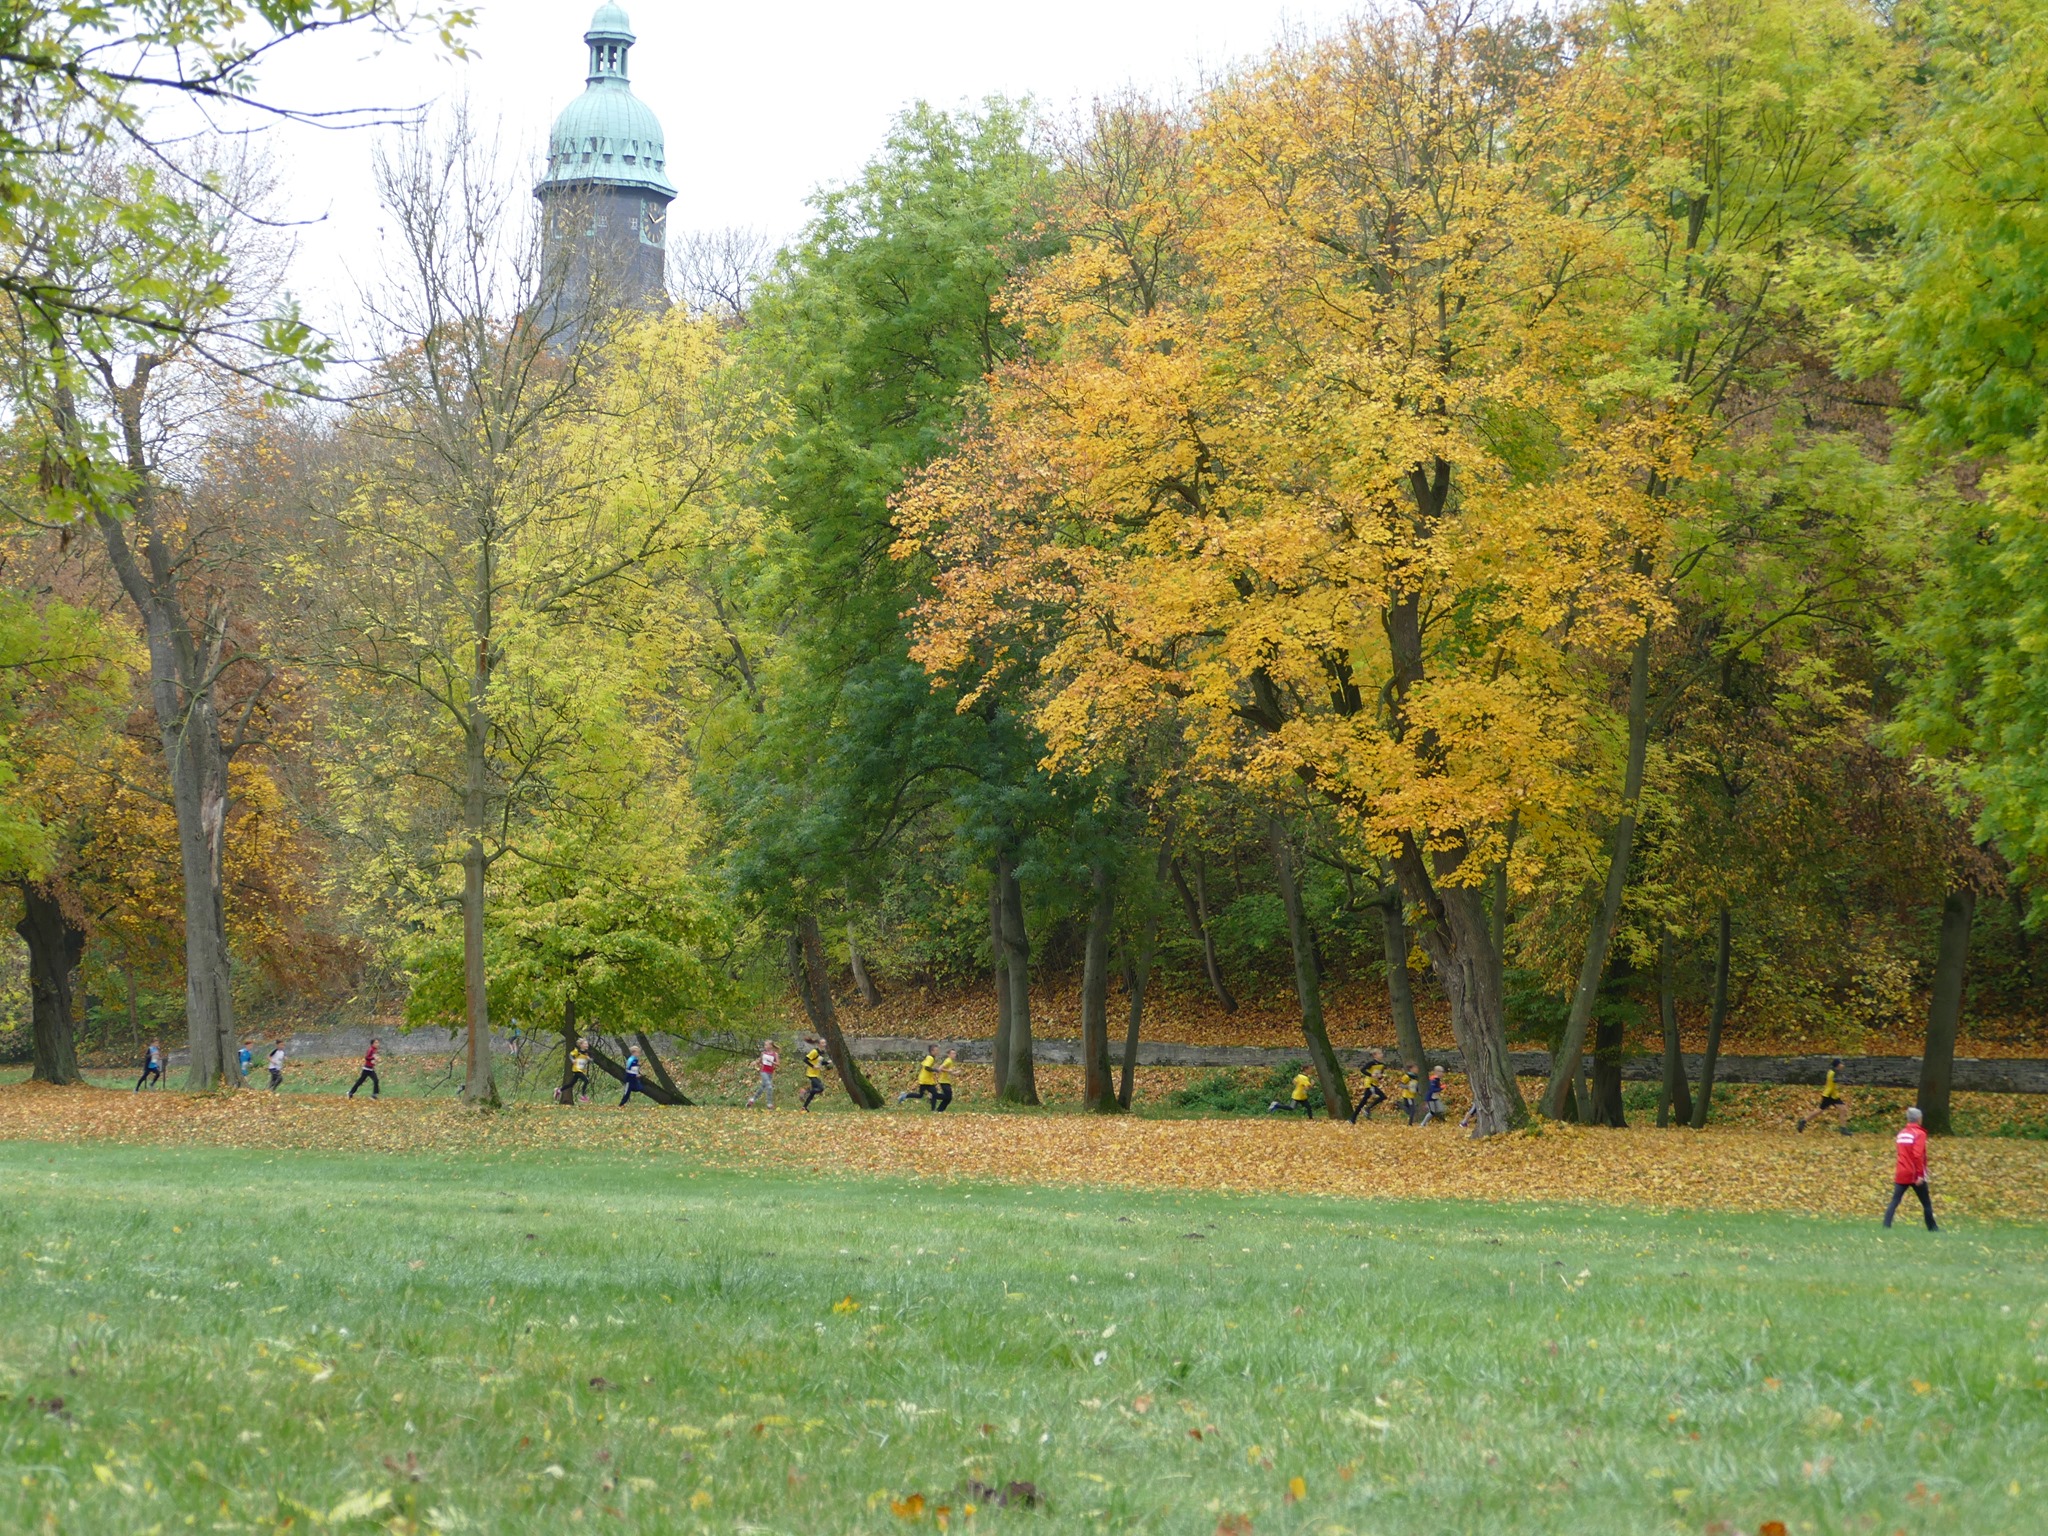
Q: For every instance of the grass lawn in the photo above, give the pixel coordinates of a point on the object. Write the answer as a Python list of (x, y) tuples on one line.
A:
[(266, 1340)]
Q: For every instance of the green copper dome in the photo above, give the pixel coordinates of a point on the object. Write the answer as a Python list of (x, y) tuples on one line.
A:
[(608, 136)]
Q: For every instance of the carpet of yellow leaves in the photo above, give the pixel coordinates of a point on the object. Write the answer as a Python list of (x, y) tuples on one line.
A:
[(1984, 1179), (1269, 1016)]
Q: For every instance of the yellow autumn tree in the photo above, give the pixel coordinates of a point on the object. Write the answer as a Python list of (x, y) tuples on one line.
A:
[(1330, 445)]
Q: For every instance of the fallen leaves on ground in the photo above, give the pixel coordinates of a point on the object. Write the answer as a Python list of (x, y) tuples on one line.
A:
[(1269, 1015), (1984, 1178)]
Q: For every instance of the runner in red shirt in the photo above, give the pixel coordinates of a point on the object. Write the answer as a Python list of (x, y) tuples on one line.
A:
[(369, 1073), (1911, 1172)]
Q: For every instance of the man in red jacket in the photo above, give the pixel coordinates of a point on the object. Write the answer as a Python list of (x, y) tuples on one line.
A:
[(1911, 1172)]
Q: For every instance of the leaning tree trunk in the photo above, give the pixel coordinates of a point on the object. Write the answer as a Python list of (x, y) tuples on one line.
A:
[(1674, 1100), (1329, 1072), (862, 982), (1594, 967), (1400, 986), (1945, 1009), (654, 1060), (815, 982), (999, 1061), (55, 945), (1704, 1100), (1020, 1080), (1196, 902), (1098, 1087), (1137, 975)]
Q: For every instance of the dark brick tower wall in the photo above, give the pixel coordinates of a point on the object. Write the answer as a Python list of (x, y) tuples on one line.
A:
[(604, 247)]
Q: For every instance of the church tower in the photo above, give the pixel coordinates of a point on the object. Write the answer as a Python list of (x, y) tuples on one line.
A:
[(605, 193)]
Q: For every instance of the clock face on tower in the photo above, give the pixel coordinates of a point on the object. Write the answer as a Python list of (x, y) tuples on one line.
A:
[(654, 222)]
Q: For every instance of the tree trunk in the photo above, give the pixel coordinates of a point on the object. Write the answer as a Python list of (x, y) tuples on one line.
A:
[(1098, 1087), (1137, 975), (1594, 967), (479, 1087), (1501, 891), (181, 674), (1458, 938), (134, 1006), (1197, 904), (1607, 1106), (568, 1046), (1674, 1100), (1329, 1071), (1000, 969), (1020, 1081), (55, 946), (862, 983), (1704, 1100), (1400, 987), (1945, 1009), (815, 984)]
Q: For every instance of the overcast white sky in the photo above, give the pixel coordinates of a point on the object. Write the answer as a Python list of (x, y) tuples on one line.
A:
[(761, 103)]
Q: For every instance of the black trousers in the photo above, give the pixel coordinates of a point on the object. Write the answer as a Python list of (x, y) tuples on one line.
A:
[(369, 1076), (1926, 1203), (150, 1074), (813, 1087), (632, 1087), (276, 1077), (945, 1097)]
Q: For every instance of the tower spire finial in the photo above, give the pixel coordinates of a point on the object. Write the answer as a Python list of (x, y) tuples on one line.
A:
[(610, 38)]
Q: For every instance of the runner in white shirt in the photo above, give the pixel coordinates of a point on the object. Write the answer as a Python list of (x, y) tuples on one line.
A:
[(770, 1060)]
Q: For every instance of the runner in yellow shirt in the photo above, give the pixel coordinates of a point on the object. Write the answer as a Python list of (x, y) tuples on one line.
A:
[(1374, 1092), (577, 1089), (927, 1081), (1831, 1099), (1297, 1098), (815, 1063), (945, 1093)]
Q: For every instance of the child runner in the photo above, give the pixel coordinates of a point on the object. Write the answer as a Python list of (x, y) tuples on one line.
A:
[(245, 1059), (944, 1096), (1433, 1097), (1372, 1094), (579, 1072), (1297, 1099), (770, 1060), (927, 1080), (152, 1067), (276, 1065), (1911, 1172), (1407, 1081), (1831, 1098), (815, 1063), (369, 1073), (632, 1079)]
